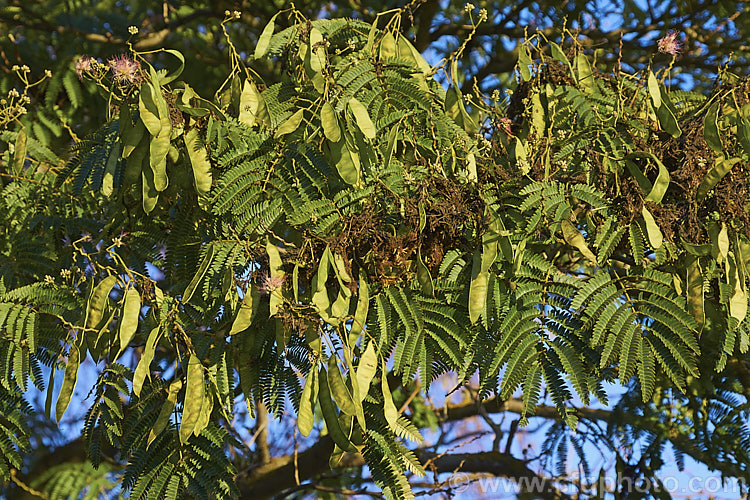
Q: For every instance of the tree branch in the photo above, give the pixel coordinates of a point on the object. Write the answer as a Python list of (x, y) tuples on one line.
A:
[(152, 40)]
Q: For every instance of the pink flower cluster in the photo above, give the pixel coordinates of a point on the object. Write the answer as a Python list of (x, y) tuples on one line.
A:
[(505, 124), (125, 69), (270, 284), (669, 44), (83, 65)]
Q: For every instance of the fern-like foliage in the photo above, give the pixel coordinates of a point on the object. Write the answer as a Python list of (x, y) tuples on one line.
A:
[(331, 238)]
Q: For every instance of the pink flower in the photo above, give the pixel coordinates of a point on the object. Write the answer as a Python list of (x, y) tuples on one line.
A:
[(83, 64), (669, 44), (125, 69), (505, 124), (270, 284)]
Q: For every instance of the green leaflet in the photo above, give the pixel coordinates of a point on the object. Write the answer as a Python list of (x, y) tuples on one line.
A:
[(329, 120), (490, 241), (503, 242), (743, 132), (131, 309), (265, 38), (480, 274), (320, 298), (143, 369), (714, 175), (653, 90), (360, 313), (330, 416), (346, 159), (711, 128), (204, 418), (391, 147), (519, 154), (738, 301), (524, 61), (149, 110), (574, 238), (641, 179), (559, 55), (407, 50), (471, 168), (170, 77), (194, 395), (98, 300), (694, 291), (19, 153), (368, 365), (660, 184), (656, 192), (635, 238), (646, 369), (291, 124), (518, 255), (740, 256), (722, 243), (538, 124), (585, 75), (231, 95), (340, 307), (69, 381), (316, 59), (247, 310), (130, 135), (250, 100), (305, 417), (389, 408), (356, 396), (477, 288), (198, 156), (454, 105), (423, 275), (94, 340), (340, 268), (134, 162), (48, 397), (667, 115), (110, 170), (190, 290), (364, 122), (149, 192), (166, 411), (295, 282), (387, 46), (341, 394), (698, 250), (275, 264), (652, 229), (160, 142)]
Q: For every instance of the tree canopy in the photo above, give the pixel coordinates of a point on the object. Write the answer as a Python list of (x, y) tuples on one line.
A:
[(321, 226)]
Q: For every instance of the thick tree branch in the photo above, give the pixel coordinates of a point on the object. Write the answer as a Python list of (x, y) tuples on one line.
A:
[(279, 474), (462, 411), (146, 42)]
